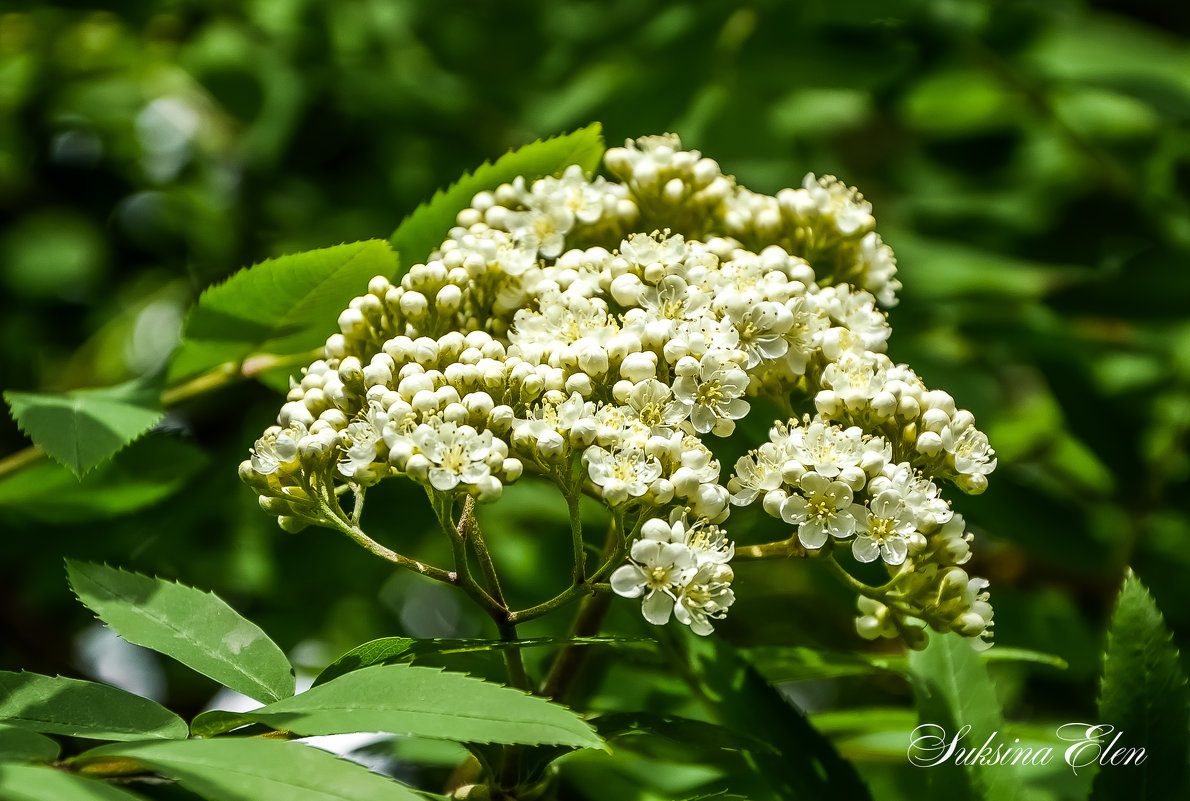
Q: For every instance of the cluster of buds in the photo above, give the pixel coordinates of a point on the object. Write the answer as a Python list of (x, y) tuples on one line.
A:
[(602, 333)]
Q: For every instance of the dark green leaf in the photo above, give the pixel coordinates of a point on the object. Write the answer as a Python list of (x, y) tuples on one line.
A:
[(82, 709), (195, 627), (23, 745), (953, 690), (806, 765), (427, 702), (250, 769), (141, 475), (282, 306), (27, 783), (387, 650), (84, 427), (1144, 698), (423, 231)]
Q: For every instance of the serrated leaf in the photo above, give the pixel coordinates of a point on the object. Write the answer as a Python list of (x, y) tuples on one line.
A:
[(250, 769), (806, 765), (24, 745), (387, 650), (282, 306), (28, 783), (952, 690), (423, 231), (85, 427), (57, 705), (427, 702), (194, 627), (1143, 696), (145, 473)]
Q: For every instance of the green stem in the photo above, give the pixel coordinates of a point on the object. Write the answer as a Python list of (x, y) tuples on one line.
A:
[(876, 593), (357, 535), (771, 550), (566, 666)]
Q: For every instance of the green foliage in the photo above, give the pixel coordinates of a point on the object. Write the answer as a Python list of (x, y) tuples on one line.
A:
[(239, 769), (194, 627), (23, 745), (1144, 696), (953, 690), (780, 663), (805, 763), (85, 427), (387, 650), (281, 306), (148, 471), (426, 702), (57, 705), (26, 783), (423, 230)]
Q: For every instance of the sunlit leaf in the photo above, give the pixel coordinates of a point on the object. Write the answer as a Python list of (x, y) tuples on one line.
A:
[(286, 305), (57, 705), (423, 230), (427, 702), (85, 427), (195, 627)]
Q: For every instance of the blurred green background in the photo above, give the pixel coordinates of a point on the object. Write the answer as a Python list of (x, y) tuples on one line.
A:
[(1028, 162)]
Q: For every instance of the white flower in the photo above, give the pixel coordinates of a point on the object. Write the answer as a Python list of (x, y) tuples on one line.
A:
[(622, 473), (883, 529), (707, 597), (458, 454), (969, 446), (278, 447), (654, 404), (658, 571), (918, 492), (757, 472), (656, 248), (762, 327), (826, 449), (714, 392), (821, 510)]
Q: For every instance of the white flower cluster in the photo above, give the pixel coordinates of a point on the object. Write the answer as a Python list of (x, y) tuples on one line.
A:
[(614, 326), (679, 569)]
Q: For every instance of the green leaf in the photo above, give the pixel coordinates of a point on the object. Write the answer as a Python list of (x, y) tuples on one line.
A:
[(23, 745), (1143, 696), (427, 702), (214, 722), (57, 705), (423, 231), (282, 306), (952, 690), (141, 475), (387, 650), (250, 769), (806, 765), (197, 628), (85, 427), (28, 783)]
